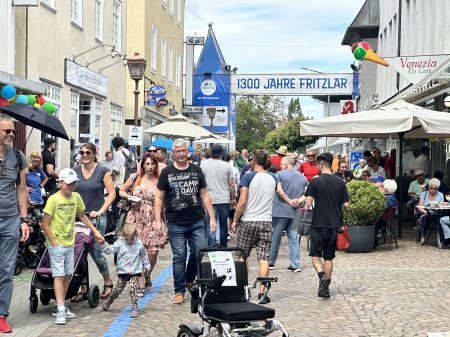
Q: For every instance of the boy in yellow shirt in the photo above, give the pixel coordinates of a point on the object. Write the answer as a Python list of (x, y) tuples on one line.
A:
[(59, 227)]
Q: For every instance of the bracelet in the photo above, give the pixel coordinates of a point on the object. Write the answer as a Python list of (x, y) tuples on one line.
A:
[(24, 220)]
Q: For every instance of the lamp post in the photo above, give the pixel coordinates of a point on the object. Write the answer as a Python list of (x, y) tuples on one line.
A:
[(136, 66), (447, 102)]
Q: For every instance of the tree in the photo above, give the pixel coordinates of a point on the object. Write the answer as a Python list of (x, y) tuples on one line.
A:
[(255, 118), (294, 108)]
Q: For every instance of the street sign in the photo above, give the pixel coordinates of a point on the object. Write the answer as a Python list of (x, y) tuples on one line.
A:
[(193, 110), (195, 40), (135, 135)]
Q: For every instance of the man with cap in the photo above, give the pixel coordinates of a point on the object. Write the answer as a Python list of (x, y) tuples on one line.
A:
[(423, 162), (49, 165), (281, 152), (220, 183), (415, 190)]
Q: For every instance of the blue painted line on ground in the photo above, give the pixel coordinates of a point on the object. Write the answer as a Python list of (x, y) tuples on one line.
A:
[(121, 324)]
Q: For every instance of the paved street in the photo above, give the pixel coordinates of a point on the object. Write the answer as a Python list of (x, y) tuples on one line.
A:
[(403, 292)]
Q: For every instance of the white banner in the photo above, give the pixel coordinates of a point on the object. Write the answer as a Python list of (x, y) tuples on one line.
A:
[(415, 68), (85, 78), (292, 84)]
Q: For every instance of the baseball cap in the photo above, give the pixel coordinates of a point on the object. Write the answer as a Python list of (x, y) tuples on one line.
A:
[(377, 179), (417, 172), (68, 176), (48, 141)]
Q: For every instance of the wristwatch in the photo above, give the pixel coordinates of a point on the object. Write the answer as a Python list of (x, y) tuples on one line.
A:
[(24, 220)]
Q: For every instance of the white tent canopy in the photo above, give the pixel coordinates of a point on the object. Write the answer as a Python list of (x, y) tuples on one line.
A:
[(216, 140), (180, 126)]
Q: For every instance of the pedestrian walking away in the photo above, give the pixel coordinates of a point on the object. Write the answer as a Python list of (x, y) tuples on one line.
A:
[(182, 188), (329, 194)]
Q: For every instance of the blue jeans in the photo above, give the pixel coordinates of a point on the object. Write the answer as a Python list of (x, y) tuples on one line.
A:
[(179, 234), (9, 246), (96, 252), (279, 225), (445, 224), (221, 213)]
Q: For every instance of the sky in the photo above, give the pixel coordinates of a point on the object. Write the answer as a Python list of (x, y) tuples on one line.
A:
[(278, 37)]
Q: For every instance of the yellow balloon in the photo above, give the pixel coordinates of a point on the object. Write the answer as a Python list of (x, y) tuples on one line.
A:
[(12, 100), (37, 105)]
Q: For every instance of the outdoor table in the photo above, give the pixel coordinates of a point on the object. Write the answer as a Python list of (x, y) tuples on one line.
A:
[(440, 209)]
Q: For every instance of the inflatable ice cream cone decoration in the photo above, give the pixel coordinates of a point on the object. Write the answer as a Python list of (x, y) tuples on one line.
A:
[(362, 51)]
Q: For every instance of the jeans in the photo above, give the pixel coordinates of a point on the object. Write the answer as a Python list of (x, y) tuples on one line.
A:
[(279, 225), (96, 252), (9, 246), (445, 225), (221, 214), (179, 234)]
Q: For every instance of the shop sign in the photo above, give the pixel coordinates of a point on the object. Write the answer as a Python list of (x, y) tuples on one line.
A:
[(347, 106), (416, 68), (163, 102), (157, 91), (84, 78)]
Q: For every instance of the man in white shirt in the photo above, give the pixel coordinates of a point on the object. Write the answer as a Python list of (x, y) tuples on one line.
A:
[(423, 161)]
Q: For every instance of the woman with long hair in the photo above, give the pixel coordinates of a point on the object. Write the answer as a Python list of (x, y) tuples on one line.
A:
[(94, 179), (36, 178), (143, 186)]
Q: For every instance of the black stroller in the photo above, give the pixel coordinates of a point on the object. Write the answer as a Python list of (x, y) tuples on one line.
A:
[(221, 298), (43, 280)]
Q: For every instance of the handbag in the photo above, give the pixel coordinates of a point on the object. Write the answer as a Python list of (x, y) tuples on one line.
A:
[(343, 239), (303, 220)]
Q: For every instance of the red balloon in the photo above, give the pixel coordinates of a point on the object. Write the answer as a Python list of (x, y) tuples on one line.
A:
[(3, 101), (40, 99)]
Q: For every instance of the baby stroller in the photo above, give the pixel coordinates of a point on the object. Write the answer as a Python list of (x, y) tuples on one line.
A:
[(221, 298), (43, 280)]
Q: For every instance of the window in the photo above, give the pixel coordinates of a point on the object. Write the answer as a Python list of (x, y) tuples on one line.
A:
[(117, 25), (171, 7), (77, 12), (98, 121), (99, 6), (154, 47), (49, 3), (170, 65), (178, 70), (116, 120), (163, 57), (53, 96), (179, 12)]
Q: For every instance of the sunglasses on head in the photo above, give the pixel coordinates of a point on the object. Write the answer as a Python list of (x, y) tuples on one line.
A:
[(87, 153), (9, 131)]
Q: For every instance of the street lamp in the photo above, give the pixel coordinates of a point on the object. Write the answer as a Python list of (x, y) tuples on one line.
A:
[(211, 111), (136, 66), (447, 102)]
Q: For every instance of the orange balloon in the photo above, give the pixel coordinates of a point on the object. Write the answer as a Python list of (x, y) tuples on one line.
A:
[(40, 99)]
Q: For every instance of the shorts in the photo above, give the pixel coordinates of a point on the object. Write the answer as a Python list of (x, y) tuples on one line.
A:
[(255, 234), (323, 242), (61, 260)]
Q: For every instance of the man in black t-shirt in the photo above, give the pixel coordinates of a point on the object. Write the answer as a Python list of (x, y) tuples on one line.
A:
[(182, 188), (49, 165), (329, 194)]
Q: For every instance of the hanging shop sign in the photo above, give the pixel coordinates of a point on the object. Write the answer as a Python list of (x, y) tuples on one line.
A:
[(162, 102), (84, 78)]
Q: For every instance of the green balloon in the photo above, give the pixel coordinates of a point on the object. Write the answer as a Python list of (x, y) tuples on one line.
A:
[(360, 53), (31, 99), (49, 107)]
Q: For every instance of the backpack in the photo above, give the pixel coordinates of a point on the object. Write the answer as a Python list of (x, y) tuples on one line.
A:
[(18, 164), (130, 166)]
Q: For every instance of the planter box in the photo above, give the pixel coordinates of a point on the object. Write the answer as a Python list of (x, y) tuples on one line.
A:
[(361, 239)]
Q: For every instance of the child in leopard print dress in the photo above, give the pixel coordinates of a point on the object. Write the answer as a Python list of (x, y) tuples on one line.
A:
[(131, 257)]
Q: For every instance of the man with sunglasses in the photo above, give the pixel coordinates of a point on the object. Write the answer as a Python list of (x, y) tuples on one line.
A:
[(13, 214), (308, 168), (49, 165)]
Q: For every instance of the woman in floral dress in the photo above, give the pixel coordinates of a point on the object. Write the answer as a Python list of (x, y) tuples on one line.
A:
[(143, 185)]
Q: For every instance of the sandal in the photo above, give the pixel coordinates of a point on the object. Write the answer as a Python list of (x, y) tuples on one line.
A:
[(79, 297), (148, 283), (106, 293)]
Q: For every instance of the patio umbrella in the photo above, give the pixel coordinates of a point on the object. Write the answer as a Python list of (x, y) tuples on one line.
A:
[(216, 140), (397, 120), (36, 118), (161, 142), (180, 126)]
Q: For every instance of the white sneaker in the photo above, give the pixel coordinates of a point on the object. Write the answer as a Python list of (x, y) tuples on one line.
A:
[(60, 318), (69, 314)]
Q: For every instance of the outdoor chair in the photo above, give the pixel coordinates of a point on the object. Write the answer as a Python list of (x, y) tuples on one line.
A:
[(384, 227)]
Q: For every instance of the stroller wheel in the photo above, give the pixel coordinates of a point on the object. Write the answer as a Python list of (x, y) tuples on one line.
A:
[(44, 297), (185, 332), (33, 303), (33, 261), (93, 296), (18, 267)]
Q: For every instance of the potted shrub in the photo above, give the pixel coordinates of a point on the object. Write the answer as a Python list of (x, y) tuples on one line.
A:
[(367, 203)]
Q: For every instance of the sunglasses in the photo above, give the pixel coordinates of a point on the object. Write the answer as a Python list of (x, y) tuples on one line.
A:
[(87, 153), (433, 188), (310, 155), (152, 150), (9, 131)]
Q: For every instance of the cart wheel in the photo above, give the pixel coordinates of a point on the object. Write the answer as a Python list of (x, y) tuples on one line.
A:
[(43, 296), (33, 303), (18, 267), (185, 332), (93, 296), (33, 261)]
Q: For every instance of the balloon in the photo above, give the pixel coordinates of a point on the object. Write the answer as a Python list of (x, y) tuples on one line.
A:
[(36, 105), (3, 101), (49, 107), (360, 53), (8, 91), (22, 99), (12, 100), (40, 99), (31, 99)]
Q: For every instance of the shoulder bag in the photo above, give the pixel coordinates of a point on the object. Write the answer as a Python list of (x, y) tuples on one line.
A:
[(303, 220), (343, 239)]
